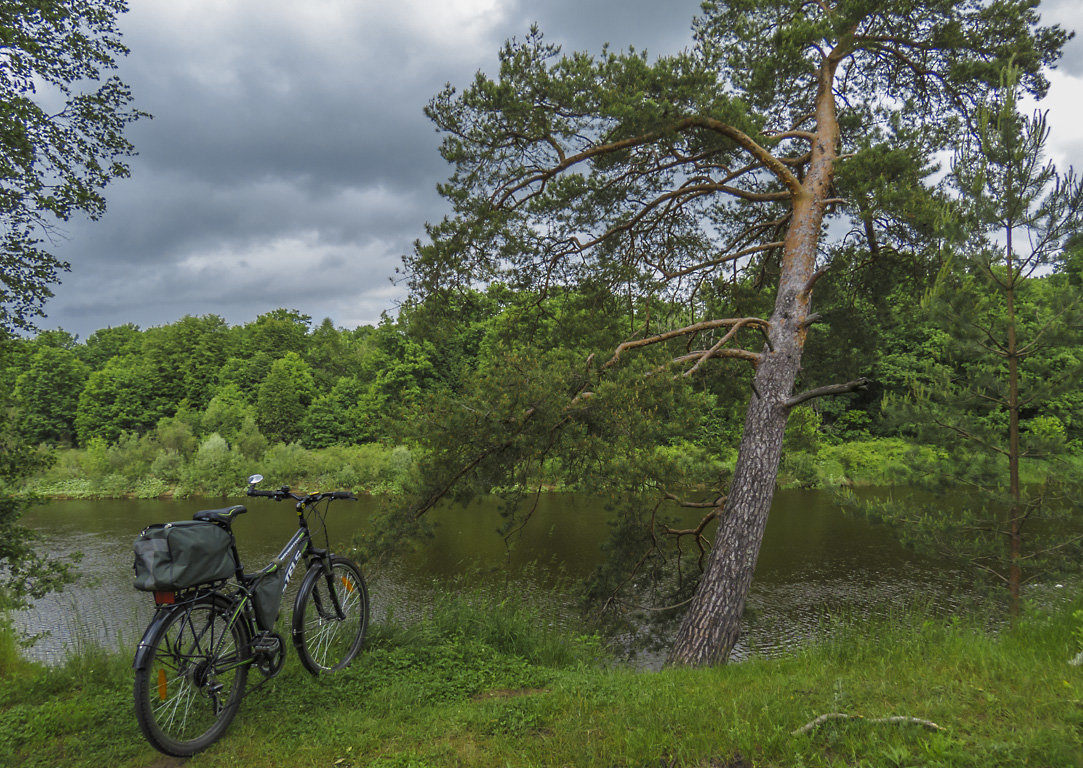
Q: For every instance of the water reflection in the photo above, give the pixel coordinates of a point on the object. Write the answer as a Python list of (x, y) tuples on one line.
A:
[(815, 562)]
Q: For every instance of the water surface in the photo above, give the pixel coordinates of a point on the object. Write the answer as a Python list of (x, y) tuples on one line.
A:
[(815, 562)]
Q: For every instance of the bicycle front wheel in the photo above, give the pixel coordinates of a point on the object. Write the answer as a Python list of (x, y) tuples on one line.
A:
[(326, 641), (192, 683)]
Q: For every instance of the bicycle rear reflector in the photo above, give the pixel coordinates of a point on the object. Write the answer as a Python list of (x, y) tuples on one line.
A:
[(165, 598)]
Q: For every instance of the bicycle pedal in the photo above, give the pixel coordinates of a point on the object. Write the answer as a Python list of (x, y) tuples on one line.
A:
[(266, 643)]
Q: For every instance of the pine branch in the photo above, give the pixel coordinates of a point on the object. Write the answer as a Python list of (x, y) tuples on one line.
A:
[(830, 389), (706, 325)]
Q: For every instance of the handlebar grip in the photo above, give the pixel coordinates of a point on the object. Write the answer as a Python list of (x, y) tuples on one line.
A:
[(343, 495)]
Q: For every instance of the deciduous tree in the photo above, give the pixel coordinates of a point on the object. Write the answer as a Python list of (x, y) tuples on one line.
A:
[(47, 393), (283, 398)]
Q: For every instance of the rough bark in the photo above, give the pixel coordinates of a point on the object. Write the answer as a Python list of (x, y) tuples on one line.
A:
[(711, 627)]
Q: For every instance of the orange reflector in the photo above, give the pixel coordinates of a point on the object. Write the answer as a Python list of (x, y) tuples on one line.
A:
[(161, 684), (165, 598), (347, 583)]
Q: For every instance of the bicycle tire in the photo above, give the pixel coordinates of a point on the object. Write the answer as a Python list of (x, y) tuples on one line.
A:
[(189, 689), (324, 642)]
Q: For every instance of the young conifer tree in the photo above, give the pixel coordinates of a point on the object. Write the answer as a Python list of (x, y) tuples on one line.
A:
[(1010, 317)]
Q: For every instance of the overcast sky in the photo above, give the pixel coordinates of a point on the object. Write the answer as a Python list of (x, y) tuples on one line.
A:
[(289, 164)]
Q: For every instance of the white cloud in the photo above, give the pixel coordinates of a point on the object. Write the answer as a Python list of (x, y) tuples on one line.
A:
[(1065, 112)]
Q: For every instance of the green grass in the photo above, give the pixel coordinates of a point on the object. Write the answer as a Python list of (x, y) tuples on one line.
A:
[(486, 683)]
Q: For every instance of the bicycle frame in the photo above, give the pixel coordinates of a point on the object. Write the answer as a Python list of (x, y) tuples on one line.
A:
[(297, 547)]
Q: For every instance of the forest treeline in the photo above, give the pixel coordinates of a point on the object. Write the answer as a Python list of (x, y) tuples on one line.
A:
[(192, 407)]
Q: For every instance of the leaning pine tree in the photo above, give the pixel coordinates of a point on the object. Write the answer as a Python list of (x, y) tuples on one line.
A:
[(657, 179)]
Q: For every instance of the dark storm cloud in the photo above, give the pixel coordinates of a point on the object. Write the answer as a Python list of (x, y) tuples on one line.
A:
[(289, 162), (660, 28)]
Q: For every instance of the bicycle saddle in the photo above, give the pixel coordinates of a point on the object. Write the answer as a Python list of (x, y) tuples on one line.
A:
[(224, 516)]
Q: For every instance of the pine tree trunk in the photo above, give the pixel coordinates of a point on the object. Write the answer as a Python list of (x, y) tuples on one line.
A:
[(712, 625), (1015, 512)]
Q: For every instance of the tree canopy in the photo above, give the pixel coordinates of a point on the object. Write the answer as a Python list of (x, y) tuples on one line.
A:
[(62, 123)]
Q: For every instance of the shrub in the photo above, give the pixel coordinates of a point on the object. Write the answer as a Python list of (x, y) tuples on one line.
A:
[(215, 470), (803, 430), (167, 466), (288, 465)]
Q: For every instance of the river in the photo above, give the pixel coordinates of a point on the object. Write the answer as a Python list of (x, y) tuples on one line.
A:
[(815, 561)]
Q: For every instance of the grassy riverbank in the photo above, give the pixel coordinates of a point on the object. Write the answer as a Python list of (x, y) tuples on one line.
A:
[(486, 684)]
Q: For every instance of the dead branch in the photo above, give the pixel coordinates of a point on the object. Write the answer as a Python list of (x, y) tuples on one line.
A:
[(830, 389), (716, 349), (812, 281), (696, 532), (818, 721)]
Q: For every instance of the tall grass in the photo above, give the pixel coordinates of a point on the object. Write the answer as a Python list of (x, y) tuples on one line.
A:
[(10, 659), (512, 625)]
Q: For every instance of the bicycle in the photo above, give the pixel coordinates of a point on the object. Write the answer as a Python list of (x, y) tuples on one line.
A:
[(192, 665)]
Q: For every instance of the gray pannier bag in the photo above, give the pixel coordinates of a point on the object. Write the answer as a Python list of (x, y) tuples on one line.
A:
[(172, 556), (267, 597)]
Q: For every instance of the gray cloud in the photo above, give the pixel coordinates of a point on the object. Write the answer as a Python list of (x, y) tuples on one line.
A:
[(289, 162)]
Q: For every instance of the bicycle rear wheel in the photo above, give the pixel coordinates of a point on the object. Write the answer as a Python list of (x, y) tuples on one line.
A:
[(325, 642), (192, 683)]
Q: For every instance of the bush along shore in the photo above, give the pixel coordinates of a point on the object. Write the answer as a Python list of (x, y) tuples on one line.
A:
[(142, 468), (154, 466), (484, 682)]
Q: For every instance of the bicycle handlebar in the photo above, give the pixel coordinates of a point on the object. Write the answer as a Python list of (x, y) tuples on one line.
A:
[(284, 493)]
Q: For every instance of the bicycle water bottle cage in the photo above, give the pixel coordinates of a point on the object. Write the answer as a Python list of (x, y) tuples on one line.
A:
[(223, 516)]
